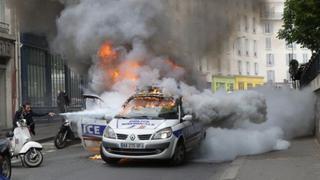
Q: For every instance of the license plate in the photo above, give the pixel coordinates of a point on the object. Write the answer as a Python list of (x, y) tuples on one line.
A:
[(131, 145)]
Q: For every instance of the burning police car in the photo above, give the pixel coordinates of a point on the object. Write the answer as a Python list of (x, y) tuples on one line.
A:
[(151, 125)]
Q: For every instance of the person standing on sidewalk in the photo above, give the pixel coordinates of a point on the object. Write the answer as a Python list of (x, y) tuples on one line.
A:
[(26, 113), (63, 101)]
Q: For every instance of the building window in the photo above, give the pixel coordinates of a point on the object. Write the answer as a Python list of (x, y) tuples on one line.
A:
[(248, 68), (247, 47), (289, 57), (268, 28), (240, 67), (254, 30), (255, 48), (249, 85), (305, 57), (256, 68), (239, 47), (239, 23), (270, 60), (270, 76), (246, 24), (268, 43)]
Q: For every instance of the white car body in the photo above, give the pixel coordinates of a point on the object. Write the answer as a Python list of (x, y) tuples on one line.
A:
[(134, 137)]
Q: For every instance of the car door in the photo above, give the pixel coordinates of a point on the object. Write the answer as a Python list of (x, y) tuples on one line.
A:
[(194, 134)]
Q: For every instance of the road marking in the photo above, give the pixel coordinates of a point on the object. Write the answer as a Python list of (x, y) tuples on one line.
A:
[(231, 172), (50, 151)]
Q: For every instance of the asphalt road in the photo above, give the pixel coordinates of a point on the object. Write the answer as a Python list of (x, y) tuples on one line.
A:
[(300, 161), (73, 163)]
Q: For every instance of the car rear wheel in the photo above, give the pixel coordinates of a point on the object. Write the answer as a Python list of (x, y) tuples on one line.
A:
[(110, 161), (179, 155)]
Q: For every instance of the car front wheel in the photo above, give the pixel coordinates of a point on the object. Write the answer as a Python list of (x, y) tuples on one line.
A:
[(179, 155)]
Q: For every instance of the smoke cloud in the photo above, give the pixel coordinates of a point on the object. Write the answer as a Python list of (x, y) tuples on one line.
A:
[(186, 31), (227, 144), (290, 114), (37, 16), (148, 33)]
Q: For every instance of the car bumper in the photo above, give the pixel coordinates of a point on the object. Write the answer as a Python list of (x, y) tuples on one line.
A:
[(154, 149)]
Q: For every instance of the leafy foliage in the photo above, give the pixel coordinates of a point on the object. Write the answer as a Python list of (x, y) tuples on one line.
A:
[(302, 23)]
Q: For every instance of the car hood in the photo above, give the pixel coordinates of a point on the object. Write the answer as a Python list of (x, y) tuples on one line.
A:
[(142, 123)]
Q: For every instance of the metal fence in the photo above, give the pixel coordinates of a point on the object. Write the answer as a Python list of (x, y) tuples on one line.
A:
[(44, 75)]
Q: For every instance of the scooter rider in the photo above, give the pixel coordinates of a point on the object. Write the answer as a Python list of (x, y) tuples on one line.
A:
[(26, 113)]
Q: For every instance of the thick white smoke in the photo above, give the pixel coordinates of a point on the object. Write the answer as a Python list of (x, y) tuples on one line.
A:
[(290, 114), (227, 144)]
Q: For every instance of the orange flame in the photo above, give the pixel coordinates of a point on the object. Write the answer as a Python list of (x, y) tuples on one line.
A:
[(95, 157), (129, 70), (114, 69), (106, 51)]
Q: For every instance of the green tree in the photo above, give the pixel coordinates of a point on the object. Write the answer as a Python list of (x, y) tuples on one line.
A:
[(302, 23)]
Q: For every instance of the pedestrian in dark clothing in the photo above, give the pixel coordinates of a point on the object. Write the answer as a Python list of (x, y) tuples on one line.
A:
[(63, 101), (26, 113)]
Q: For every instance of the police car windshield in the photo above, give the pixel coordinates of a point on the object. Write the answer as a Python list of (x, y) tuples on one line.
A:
[(149, 108)]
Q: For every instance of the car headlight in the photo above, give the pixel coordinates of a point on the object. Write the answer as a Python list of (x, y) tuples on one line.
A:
[(163, 134), (109, 133)]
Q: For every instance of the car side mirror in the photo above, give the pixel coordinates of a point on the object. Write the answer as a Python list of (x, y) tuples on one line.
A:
[(107, 118), (187, 117)]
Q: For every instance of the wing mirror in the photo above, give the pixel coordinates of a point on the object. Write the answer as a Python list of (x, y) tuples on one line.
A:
[(107, 118), (187, 117)]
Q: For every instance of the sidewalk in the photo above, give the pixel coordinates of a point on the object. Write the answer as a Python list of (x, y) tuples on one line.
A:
[(300, 162)]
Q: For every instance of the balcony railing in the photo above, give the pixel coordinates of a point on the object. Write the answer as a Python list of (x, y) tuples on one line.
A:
[(272, 15), (4, 27), (310, 71)]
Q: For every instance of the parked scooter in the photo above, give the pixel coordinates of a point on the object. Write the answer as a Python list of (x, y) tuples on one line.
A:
[(64, 136), (21, 146), (5, 159)]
